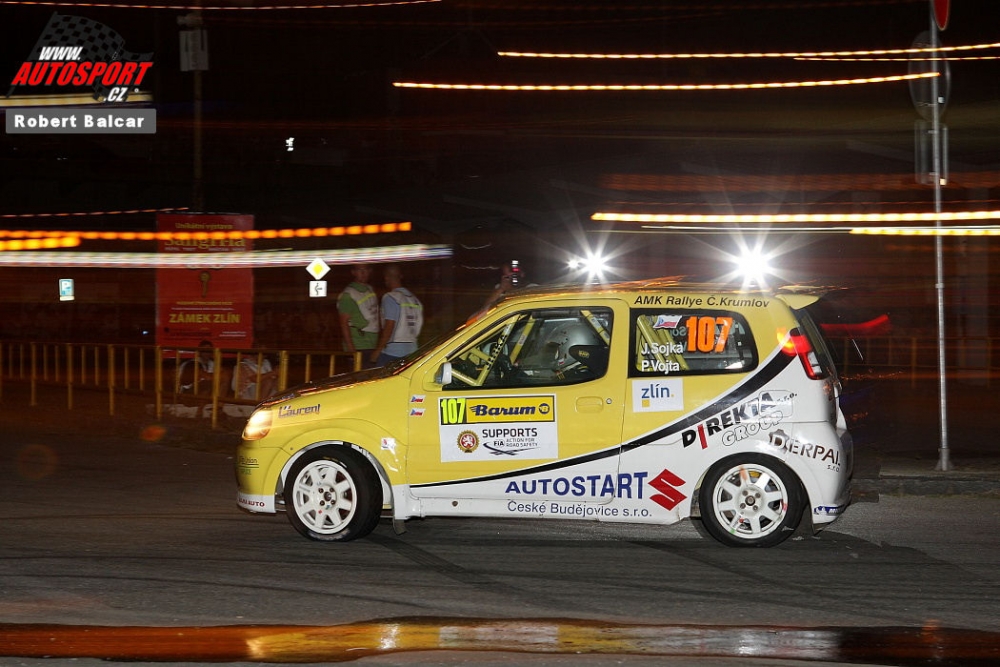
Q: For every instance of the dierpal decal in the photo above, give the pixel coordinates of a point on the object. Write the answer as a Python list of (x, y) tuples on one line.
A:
[(474, 428), (745, 420), (661, 395)]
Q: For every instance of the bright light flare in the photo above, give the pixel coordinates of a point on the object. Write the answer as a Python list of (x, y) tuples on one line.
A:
[(754, 266), (593, 265)]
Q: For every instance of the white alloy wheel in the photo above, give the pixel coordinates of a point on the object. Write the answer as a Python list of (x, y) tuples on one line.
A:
[(750, 500), (333, 494), (324, 496)]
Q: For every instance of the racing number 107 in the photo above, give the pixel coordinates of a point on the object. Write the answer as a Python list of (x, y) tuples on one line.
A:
[(452, 410), (701, 333)]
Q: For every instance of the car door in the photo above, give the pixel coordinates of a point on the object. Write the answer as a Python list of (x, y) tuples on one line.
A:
[(535, 391)]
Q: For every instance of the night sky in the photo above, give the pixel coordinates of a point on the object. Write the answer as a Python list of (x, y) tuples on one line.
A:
[(451, 160)]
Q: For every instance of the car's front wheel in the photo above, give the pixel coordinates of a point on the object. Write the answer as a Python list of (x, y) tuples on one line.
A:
[(750, 500), (333, 494)]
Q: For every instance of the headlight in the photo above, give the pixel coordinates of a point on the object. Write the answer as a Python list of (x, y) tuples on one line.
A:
[(258, 425)]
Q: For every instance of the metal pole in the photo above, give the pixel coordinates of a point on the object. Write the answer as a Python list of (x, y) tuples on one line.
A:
[(944, 462)]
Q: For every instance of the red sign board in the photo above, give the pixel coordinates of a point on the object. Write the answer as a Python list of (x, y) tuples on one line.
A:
[(941, 8), (204, 302)]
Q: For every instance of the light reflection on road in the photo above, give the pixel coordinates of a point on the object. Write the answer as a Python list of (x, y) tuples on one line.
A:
[(340, 643)]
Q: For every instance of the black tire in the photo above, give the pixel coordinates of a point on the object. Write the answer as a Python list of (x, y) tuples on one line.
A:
[(333, 494), (750, 500)]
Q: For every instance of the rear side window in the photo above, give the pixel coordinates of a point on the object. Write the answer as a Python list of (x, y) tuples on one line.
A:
[(689, 342)]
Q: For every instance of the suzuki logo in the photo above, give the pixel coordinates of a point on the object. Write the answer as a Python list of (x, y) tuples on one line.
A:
[(666, 483)]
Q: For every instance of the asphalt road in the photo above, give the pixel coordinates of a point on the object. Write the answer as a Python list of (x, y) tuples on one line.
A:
[(120, 531)]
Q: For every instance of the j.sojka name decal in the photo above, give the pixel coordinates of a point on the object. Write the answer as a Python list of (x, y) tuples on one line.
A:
[(521, 427), (743, 421)]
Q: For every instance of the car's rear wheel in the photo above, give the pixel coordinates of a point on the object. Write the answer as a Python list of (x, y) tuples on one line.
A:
[(750, 500), (333, 494)]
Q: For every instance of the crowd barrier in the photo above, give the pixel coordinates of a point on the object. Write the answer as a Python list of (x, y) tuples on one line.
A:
[(176, 380)]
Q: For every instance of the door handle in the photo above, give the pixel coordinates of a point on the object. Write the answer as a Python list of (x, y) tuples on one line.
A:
[(589, 404)]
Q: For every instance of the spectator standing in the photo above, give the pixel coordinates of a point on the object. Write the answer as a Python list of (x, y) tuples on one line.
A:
[(402, 319), (357, 307)]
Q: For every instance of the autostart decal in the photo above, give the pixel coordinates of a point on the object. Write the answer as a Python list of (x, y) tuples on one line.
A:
[(484, 428), (574, 496)]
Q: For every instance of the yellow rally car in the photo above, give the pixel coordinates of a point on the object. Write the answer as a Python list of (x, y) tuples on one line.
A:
[(644, 402)]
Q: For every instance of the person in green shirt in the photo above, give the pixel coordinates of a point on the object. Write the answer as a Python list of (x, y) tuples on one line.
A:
[(357, 307)]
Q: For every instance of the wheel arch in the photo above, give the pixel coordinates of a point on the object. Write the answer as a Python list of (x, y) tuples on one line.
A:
[(791, 520), (768, 452), (347, 443)]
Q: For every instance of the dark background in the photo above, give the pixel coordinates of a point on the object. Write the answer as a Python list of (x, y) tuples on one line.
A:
[(501, 175)]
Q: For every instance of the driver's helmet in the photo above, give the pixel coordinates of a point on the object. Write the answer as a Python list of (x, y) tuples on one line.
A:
[(565, 337)]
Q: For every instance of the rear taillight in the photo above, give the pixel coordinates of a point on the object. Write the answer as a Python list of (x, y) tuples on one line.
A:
[(798, 345)]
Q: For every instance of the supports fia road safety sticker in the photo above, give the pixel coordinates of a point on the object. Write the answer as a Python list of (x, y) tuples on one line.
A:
[(477, 428)]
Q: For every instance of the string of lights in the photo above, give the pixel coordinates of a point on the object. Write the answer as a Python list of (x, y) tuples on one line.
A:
[(910, 231), (50, 243), (794, 218), (77, 214), (214, 260), (183, 7), (751, 55), (250, 234), (658, 87), (900, 60), (812, 182), (928, 231)]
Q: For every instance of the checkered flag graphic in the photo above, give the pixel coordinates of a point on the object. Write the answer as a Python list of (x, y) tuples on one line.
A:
[(97, 41)]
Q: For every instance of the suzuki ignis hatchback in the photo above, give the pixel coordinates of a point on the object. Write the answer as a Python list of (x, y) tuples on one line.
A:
[(645, 402)]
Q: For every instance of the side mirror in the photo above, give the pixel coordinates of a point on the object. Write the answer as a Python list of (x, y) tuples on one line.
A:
[(443, 376)]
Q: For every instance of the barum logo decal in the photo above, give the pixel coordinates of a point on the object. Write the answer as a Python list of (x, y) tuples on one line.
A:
[(75, 53), (517, 426), (746, 420)]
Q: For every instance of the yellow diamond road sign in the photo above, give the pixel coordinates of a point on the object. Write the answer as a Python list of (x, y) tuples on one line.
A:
[(317, 268)]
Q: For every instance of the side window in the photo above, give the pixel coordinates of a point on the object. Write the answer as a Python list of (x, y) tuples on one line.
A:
[(690, 342), (535, 348)]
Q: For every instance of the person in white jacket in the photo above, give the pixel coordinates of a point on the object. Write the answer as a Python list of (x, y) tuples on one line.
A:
[(402, 319)]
